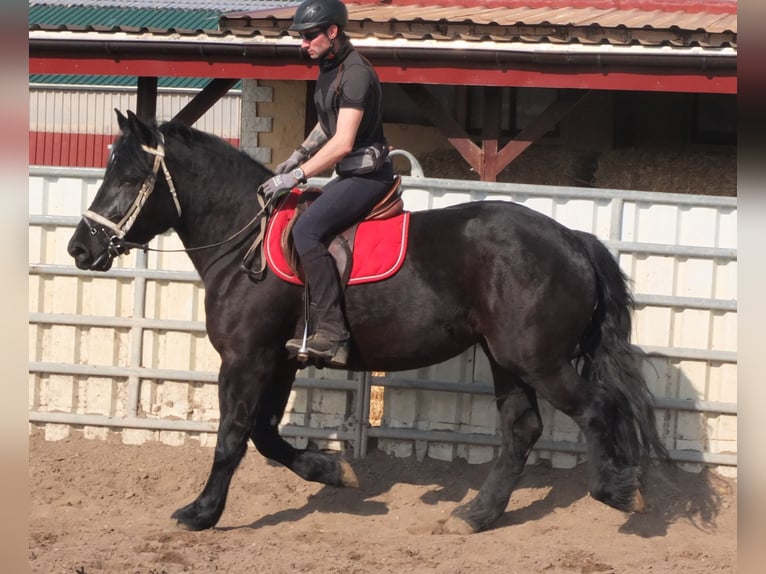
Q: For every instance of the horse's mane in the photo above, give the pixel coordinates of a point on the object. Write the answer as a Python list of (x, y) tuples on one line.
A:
[(194, 137)]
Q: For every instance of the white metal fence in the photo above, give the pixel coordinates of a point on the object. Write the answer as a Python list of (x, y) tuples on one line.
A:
[(126, 351)]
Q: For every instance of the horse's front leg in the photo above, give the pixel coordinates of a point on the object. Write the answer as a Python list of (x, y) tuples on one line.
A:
[(240, 384), (309, 464)]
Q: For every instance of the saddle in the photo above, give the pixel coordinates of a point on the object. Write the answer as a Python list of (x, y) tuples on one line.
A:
[(342, 245)]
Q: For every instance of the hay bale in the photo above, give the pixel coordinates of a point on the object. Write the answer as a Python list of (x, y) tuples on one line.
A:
[(671, 171)]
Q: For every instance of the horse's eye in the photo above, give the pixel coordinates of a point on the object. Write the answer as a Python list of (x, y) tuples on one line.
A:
[(93, 231)]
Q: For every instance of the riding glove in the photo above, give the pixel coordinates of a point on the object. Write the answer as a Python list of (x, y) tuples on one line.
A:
[(278, 183), (295, 159)]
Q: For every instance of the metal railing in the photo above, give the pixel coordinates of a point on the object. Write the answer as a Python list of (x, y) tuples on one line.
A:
[(357, 430)]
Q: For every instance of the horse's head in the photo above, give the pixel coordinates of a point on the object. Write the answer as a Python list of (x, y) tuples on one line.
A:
[(135, 202)]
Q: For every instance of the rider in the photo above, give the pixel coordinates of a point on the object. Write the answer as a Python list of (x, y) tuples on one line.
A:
[(349, 137)]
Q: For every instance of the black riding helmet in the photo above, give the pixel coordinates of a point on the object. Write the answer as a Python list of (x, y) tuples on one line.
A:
[(319, 14)]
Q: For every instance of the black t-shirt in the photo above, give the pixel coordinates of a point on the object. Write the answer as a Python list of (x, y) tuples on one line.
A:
[(349, 81)]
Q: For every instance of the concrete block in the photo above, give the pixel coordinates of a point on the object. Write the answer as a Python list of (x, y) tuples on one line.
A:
[(726, 471), (204, 358), (95, 396), (397, 448), (172, 438), (722, 428), (57, 393), (651, 326), (691, 328), (400, 408), (326, 421), (565, 429), (59, 343), (656, 223), (722, 385), (441, 451), (138, 436), (694, 278), (576, 214), (297, 402), (478, 454), (204, 402), (260, 154), (438, 410), (330, 403), (170, 350), (102, 346), (483, 414), (207, 439), (300, 442), (253, 93), (691, 428), (564, 460), (55, 432), (696, 225), (692, 379), (653, 274), (173, 400), (95, 433), (724, 331), (725, 280)]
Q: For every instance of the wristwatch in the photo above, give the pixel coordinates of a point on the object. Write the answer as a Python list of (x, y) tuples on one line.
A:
[(298, 174)]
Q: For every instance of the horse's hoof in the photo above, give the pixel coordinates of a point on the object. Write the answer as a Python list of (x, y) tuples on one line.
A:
[(456, 525), (638, 502), (186, 520), (182, 526), (348, 477)]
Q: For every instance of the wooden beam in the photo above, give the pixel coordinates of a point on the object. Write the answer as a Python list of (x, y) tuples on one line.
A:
[(146, 98), (490, 133), (443, 120), (542, 124), (205, 100)]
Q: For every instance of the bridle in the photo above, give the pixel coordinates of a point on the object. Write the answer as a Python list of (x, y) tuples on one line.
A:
[(117, 245), (120, 229)]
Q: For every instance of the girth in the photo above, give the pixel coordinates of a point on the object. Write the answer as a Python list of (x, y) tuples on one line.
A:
[(342, 245)]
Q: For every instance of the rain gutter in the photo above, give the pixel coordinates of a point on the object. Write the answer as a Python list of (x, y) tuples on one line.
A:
[(74, 45)]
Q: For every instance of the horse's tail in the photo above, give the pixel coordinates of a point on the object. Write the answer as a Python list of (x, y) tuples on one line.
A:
[(612, 366)]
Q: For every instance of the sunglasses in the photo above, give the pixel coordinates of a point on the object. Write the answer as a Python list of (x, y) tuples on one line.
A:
[(310, 35)]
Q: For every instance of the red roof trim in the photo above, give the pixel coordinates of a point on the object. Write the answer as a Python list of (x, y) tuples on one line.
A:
[(690, 6), (615, 78)]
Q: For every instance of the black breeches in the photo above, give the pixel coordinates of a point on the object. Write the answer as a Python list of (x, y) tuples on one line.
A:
[(343, 202)]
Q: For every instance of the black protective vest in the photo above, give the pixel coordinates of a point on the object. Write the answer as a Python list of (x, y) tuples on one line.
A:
[(347, 79)]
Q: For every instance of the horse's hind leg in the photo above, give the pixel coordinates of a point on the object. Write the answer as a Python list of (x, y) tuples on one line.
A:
[(613, 454), (520, 426)]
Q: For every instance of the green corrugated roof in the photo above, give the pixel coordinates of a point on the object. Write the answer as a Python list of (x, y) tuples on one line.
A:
[(47, 15), (119, 81), (126, 17)]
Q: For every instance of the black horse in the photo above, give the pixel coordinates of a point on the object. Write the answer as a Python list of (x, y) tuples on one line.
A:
[(549, 307)]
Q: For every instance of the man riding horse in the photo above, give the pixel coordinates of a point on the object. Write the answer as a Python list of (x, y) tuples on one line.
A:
[(349, 137)]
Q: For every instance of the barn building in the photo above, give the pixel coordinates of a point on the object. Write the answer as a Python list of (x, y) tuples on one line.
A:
[(538, 91)]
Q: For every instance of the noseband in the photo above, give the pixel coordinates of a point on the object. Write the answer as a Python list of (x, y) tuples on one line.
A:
[(123, 226)]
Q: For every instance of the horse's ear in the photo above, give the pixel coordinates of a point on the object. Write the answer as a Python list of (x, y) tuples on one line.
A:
[(122, 121), (142, 130)]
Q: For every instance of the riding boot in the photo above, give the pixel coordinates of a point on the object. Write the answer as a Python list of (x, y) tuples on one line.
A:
[(330, 339)]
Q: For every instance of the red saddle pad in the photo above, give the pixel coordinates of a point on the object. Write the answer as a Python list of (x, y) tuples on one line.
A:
[(379, 246)]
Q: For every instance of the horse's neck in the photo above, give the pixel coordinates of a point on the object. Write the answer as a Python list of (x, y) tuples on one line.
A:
[(218, 220)]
